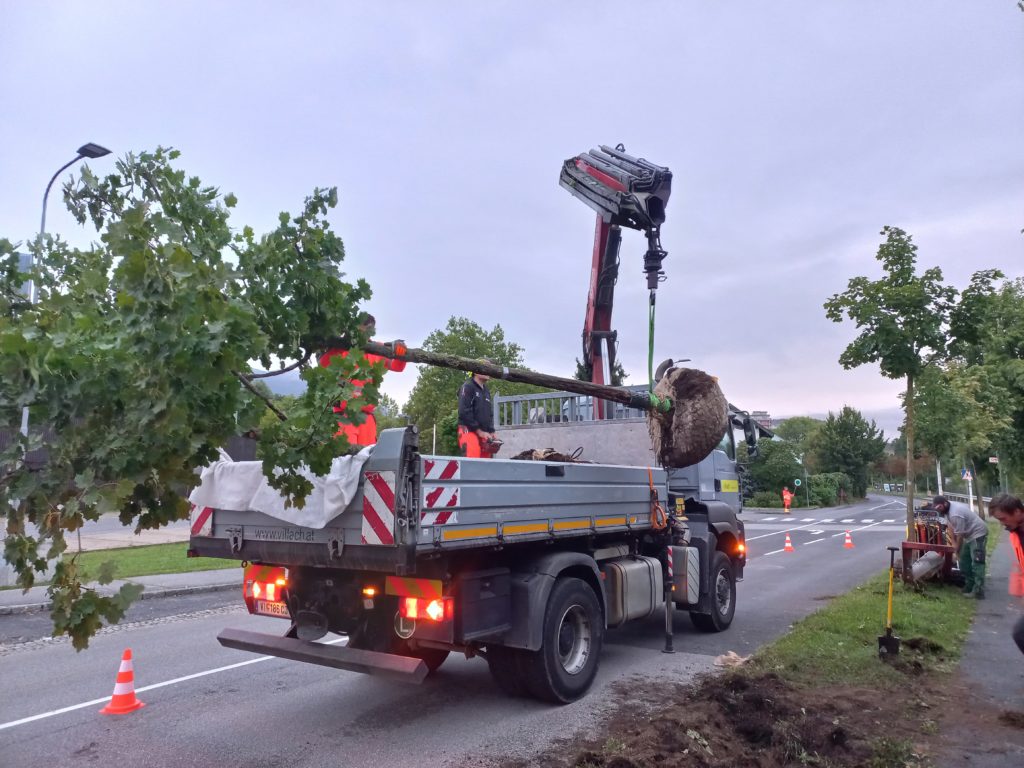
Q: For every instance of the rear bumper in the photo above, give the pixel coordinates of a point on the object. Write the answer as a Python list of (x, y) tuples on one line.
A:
[(404, 668)]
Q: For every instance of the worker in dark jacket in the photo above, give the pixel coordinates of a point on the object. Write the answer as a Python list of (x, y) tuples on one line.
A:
[(1009, 511), (476, 419)]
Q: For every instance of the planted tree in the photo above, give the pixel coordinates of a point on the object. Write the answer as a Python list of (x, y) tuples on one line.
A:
[(136, 358), (902, 320)]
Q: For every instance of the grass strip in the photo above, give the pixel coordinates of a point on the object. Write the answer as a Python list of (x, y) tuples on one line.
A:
[(149, 560)]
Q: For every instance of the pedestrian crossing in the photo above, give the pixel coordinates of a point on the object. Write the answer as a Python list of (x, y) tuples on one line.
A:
[(824, 520)]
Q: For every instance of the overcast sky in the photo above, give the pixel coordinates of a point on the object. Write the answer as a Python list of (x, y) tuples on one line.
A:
[(795, 131)]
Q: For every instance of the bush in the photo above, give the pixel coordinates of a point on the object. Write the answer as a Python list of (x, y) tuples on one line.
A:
[(825, 487), (765, 499)]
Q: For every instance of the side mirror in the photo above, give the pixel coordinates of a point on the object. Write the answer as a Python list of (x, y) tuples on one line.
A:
[(750, 435)]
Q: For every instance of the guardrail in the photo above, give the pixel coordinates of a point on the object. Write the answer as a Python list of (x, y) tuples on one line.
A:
[(558, 407)]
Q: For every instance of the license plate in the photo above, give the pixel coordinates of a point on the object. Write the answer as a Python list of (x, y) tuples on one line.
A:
[(268, 608)]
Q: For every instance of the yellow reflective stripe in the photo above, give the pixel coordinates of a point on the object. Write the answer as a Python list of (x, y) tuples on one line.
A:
[(510, 530), (399, 586), (605, 521), (469, 533), (571, 525)]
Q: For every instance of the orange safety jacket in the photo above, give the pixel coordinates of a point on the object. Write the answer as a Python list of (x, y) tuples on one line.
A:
[(390, 364), (1017, 574)]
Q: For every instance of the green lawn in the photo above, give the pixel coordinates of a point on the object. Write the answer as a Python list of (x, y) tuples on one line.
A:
[(839, 645), (148, 561)]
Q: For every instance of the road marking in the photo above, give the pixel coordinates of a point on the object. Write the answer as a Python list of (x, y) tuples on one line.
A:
[(781, 530), (766, 519), (773, 552), (888, 521), (807, 520), (867, 521), (145, 688), (827, 520), (847, 520), (815, 533), (814, 541), (883, 506), (854, 530)]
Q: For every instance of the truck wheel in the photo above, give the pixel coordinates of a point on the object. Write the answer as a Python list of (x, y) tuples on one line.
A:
[(723, 597), (506, 669), (564, 667)]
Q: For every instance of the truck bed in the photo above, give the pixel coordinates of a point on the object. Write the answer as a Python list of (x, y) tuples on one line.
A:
[(409, 505)]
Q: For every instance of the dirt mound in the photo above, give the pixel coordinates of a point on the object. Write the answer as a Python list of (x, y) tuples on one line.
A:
[(697, 421)]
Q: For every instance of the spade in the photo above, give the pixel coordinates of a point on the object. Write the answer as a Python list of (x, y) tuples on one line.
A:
[(889, 644)]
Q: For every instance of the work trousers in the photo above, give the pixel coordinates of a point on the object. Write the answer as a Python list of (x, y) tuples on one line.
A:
[(972, 564)]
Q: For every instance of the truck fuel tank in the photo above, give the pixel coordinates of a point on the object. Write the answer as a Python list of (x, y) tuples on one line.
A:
[(634, 587)]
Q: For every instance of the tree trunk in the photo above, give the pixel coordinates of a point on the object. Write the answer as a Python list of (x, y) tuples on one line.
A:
[(640, 400), (909, 432), (977, 490)]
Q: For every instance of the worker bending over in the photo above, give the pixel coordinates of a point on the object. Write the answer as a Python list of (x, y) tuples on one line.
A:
[(970, 539)]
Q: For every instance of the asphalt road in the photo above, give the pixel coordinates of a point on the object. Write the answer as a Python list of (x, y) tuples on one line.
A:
[(207, 705)]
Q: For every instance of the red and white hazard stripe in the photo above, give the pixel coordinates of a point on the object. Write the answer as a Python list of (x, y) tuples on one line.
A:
[(201, 521), (441, 469), (440, 503), (378, 508)]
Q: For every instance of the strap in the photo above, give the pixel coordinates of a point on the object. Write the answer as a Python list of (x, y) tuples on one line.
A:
[(659, 520)]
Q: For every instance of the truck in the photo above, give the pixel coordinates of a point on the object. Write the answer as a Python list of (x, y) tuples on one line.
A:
[(527, 563)]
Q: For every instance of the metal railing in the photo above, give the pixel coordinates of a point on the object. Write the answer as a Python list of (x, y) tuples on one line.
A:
[(560, 407)]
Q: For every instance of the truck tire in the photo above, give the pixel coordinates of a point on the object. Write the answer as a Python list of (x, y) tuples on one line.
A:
[(564, 667), (723, 597), (507, 669)]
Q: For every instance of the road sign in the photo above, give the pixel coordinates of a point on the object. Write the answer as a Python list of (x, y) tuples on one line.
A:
[(993, 459), (965, 474), (797, 482)]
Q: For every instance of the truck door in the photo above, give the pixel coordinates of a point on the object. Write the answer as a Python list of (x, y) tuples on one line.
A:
[(727, 481)]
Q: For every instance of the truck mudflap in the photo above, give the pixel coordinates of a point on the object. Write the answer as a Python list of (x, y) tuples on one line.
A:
[(404, 668)]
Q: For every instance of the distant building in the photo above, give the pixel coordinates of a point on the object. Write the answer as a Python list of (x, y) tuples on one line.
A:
[(763, 418)]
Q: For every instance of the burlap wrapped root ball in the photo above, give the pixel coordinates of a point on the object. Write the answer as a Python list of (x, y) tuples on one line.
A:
[(698, 419)]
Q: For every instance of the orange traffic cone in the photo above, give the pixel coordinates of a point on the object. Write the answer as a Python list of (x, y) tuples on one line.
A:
[(123, 701), (848, 544), (789, 544)]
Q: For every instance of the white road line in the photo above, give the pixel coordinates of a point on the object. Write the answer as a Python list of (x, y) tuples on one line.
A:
[(813, 541), (867, 521), (888, 521), (847, 520), (767, 519), (883, 506), (816, 533), (781, 530), (827, 520), (145, 688), (773, 552), (807, 520), (854, 530)]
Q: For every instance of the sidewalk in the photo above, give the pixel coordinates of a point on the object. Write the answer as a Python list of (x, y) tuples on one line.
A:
[(992, 672), (108, 533)]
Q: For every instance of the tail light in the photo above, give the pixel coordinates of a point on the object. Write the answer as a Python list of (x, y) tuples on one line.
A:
[(264, 583), (417, 608)]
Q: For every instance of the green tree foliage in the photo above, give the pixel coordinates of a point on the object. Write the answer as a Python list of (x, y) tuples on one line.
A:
[(584, 372), (775, 467), (849, 444), (389, 413), (136, 357), (902, 320), (800, 432), (435, 394)]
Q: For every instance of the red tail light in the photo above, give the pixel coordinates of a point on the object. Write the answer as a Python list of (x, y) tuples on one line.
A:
[(426, 610)]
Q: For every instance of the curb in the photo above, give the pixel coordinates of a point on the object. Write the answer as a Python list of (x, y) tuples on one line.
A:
[(9, 610)]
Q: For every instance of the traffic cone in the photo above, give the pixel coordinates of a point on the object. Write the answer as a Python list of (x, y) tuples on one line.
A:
[(789, 544), (123, 701), (848, 544)]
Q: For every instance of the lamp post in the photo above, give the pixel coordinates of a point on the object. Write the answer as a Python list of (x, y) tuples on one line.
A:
[(91, 151)]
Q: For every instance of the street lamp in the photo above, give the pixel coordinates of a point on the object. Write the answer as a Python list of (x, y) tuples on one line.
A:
[(91, 151)]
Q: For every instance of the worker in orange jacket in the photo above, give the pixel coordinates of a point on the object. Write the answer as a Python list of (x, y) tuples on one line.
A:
[(365, 433), (787, 498), (1009, 511)]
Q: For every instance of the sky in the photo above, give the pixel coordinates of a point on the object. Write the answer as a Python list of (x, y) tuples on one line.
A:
[(794, 130)]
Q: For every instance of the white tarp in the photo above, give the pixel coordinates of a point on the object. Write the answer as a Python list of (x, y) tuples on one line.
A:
[(241, 486)]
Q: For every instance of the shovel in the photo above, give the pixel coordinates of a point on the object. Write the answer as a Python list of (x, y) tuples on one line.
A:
[(889, 644)]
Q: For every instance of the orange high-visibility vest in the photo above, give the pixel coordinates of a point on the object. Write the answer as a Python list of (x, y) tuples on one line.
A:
[(1017, 572)]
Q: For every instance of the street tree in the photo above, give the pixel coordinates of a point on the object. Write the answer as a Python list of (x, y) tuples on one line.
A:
[(584, 372), (135, 363), (848, 443), (902, 319), (800, 432), (775, 467)]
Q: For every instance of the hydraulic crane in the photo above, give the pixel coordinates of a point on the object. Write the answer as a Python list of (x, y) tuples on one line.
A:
[(625, 191)]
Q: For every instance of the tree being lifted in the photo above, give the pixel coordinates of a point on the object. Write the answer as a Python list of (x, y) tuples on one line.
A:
[(135, 361)]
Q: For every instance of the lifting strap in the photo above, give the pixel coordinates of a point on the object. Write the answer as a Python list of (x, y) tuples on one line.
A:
[(659, 520)]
